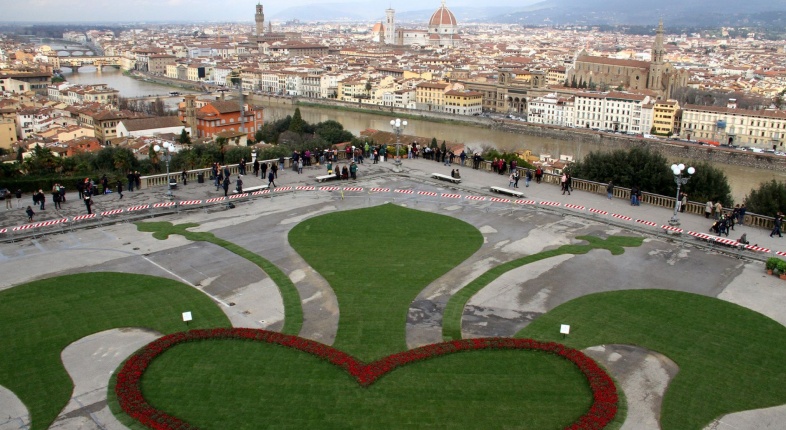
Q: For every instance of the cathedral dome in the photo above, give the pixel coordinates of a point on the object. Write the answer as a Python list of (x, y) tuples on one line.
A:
[(378, 27), (443, 16)]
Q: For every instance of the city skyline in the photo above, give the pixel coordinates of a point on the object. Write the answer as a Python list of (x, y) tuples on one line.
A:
[(197, 10)]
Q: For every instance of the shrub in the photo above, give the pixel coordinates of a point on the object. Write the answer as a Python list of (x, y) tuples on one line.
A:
[(772, 263)]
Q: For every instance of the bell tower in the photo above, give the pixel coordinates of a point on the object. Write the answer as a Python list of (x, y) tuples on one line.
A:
[(657, 64), (259, 18)]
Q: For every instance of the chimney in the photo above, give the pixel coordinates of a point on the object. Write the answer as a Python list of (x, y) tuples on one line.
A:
[(732, 104)]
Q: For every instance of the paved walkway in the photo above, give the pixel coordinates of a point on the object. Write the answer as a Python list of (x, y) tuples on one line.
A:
[(473, 181), (499, 310)]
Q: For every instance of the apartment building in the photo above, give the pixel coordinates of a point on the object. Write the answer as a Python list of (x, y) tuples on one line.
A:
[(224, 116), (664, 117), (765, 129), (7, 133), (430, 96), (551, 109), (612, 110), (463, 102)]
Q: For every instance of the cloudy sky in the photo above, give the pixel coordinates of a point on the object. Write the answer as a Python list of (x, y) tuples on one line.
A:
[(185, 10)]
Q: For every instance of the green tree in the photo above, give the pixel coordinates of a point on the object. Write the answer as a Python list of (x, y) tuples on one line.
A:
[(652, 173), (296, 125), (333, 132), (222, 143), (768, 199), (443, 147), (185, 138), (433, 143)]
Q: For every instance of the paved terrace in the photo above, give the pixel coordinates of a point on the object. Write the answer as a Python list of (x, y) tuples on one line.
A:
[(590, 201)]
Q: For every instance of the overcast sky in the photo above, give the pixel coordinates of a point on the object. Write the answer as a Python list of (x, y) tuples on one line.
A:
[(184, 10)]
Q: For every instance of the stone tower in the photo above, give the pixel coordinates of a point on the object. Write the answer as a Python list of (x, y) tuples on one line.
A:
[(260, 20), (190, 114), (390, 27), (657, 64)]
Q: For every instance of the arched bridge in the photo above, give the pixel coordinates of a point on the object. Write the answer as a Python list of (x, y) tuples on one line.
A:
[(74, 63)]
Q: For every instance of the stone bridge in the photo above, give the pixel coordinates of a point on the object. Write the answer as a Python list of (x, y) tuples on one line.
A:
[(74, 63)]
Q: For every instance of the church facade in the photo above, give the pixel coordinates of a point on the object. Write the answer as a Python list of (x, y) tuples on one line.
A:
[(442, 31), (657, 75)]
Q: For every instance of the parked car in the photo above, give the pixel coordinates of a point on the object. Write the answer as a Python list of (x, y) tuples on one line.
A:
[(5, 194)]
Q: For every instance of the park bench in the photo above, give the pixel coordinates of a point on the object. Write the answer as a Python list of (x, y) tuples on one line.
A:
[(446, 178), (256, 188), (324, 178), (508, 191)]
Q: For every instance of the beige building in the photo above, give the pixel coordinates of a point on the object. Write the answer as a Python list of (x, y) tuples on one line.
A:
[(463, 102), (430, 96), (765, 129), (631, 75), (157, 63), (7, 133), (664, 117)]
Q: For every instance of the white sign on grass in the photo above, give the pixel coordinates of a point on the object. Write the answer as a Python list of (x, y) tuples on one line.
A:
[(564, 329), (187, 316)]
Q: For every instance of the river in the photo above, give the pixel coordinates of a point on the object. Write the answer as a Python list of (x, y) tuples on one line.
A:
[(741, 179)]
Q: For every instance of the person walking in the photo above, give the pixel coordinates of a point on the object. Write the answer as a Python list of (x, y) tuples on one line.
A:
[(718, 210), (18, 198), (741, 215), (274, 169), (610, 189), (30, 214), (104, 185), (634, 195), (527, 177), (511, 181), (708, 209), (270, 178), (516, 177), (777, 226), (239, 184), (41, 198), (562, 180), (299, 166), (684, 202), (8, 203), (353, 170), (184, 177), (255, 166), (120, 189)]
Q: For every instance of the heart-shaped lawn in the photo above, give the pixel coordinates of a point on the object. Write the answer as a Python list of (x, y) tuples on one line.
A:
[(475, 383)]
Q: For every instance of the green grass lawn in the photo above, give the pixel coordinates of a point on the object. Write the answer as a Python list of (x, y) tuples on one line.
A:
[(377, 260), (244, 385), (39, 319), (730, 358)]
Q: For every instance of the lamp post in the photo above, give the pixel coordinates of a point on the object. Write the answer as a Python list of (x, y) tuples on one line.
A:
[(166, 152), (398, 126), (680, 180)]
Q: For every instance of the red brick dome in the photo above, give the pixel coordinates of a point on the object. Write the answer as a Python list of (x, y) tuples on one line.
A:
[(443, 16)]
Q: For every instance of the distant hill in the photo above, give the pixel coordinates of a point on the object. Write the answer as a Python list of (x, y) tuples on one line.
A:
[(615, 12), (694, 13)]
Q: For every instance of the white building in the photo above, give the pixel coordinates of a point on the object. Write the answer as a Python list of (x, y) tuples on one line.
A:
[(616, 111), (551, 109)]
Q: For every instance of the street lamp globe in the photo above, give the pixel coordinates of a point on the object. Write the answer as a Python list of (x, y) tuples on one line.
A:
[(398, 125)]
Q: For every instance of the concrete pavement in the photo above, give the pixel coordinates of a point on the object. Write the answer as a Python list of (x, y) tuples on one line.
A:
[(473, 181)]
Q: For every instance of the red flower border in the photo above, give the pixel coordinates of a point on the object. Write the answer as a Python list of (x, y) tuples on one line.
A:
[(129, 392)]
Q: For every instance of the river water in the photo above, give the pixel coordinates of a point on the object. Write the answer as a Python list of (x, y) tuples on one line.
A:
[(741, 179)]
